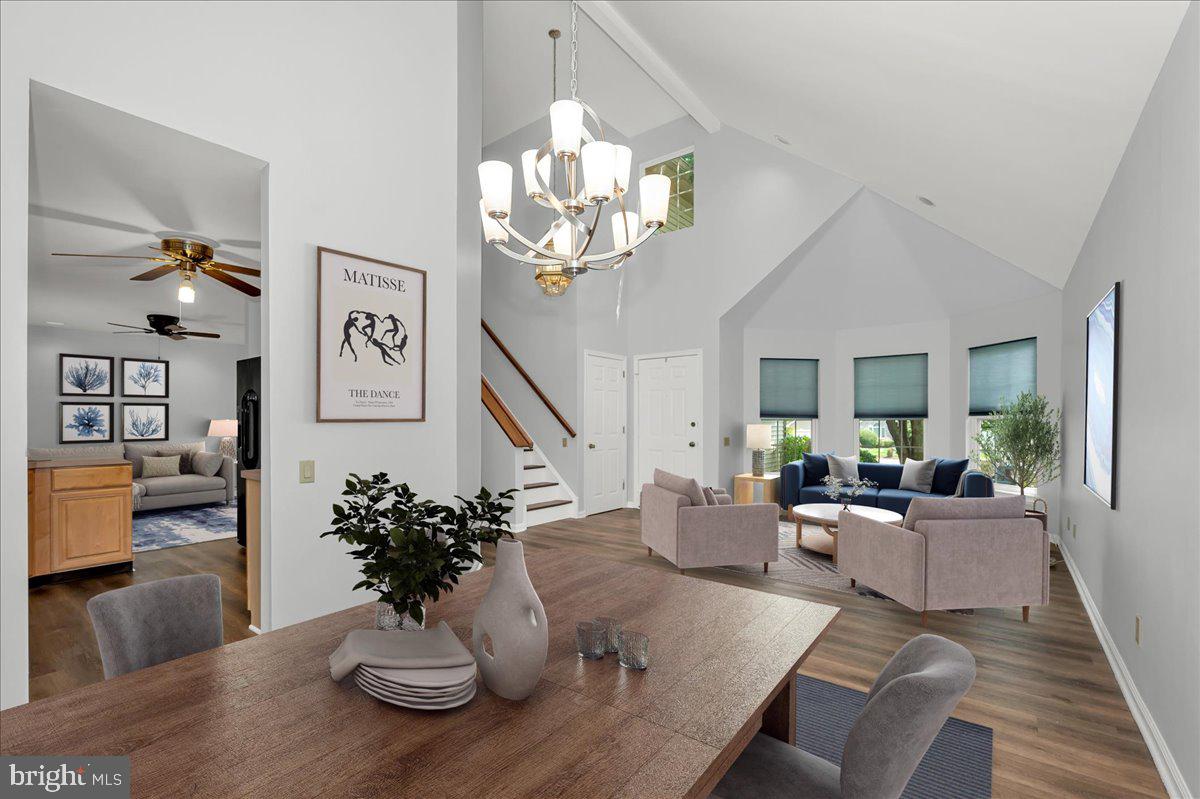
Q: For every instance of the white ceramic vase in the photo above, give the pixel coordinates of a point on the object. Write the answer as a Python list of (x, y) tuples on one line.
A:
[(512, 616)]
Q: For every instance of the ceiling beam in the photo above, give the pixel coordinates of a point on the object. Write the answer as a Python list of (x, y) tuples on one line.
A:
[(628, 39)]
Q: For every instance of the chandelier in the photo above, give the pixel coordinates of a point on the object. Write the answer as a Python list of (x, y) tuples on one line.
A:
[(562, 253)]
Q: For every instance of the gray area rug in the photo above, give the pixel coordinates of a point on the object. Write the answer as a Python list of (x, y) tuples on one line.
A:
[(176, 527), (958, 764)]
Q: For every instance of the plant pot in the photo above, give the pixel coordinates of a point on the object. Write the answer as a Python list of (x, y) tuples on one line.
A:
[(512, 616), (386, 618)]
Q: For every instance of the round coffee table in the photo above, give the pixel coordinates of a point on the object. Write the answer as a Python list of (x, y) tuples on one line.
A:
[(826, 515)]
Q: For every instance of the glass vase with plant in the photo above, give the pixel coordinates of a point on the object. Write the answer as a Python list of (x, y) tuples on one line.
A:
[(845, 490), (413, 550), (1021, 442)]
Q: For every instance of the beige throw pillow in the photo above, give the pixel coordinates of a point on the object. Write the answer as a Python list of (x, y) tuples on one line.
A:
[(918, 475), (160, 466), (843, 468), (206, 464), (185, 452)]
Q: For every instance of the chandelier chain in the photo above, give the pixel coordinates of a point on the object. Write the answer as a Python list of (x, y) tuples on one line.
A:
[(574, 48)]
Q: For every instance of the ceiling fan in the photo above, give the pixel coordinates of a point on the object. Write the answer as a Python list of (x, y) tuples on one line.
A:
[(164, 325), (189, 258)]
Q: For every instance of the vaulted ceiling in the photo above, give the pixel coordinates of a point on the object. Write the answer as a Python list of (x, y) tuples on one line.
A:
[(1010, 117)]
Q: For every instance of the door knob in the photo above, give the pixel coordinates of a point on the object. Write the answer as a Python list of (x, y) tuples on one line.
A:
[(591, 445), (691, 443)]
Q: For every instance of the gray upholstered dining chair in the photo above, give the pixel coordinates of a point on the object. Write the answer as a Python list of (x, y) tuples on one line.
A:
[(911, 698), (150, 623)]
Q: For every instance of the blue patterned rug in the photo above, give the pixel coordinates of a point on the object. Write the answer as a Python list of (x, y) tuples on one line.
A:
[(176, 527), (958, 764)]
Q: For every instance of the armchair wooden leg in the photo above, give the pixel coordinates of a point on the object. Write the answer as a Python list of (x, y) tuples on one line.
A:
[(853, 582), (924, 618), (1025, 613), (649, 552), (765, 564)]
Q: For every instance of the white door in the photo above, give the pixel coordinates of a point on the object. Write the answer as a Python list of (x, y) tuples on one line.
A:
[(669, 431), (604, 433)]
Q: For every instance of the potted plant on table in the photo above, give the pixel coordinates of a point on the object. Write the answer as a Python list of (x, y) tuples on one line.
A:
[(413, 550)]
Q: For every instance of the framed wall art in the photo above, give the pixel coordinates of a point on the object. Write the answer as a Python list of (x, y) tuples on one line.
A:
[(145, 377), (85, 422), (1100, 397), (145, 421), (370, 339), (85, 374)]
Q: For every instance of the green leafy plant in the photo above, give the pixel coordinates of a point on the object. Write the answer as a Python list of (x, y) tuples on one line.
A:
[(792, 448), (867, 456), (868, 438), (414, 550), (1021, 443)]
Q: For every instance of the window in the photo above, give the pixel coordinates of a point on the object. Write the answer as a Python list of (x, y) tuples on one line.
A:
[(975, 426), (787, 400), (891, 403), (681, 203), (998, 373)]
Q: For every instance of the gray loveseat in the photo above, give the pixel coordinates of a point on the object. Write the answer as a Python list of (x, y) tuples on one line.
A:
[(150, 493)]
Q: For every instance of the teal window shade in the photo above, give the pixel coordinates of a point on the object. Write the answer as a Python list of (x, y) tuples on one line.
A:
[(787, 388), (891, 387), (1001, 371)]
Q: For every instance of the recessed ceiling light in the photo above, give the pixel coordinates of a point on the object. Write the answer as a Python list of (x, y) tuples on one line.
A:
[(925, 200), (781, 140), (56, 324)]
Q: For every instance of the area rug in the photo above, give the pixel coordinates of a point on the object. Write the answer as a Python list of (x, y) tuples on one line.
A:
[(958, 764), (176, 527)]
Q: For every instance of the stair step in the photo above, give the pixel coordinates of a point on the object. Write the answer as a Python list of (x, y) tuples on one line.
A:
[(546, 484), (554, 503), (529, 466)]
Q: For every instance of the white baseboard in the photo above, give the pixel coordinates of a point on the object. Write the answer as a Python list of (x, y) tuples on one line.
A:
[(1164, 761)]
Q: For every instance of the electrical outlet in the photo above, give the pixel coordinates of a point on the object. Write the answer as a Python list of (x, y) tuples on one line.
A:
[(1074, 531), (727, 441), (308, 471), (1137, 630), (564, 442)]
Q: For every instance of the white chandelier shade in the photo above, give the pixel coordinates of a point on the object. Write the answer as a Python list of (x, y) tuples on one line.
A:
[(593, 172)]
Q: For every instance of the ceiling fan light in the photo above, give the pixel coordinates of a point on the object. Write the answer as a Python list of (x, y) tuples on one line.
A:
[(599, 169), (495, 184), (624, 157), (187, 292), (532, 189), (566, 127), (654, 191)]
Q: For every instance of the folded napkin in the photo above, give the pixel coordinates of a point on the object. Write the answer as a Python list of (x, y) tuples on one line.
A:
[(438, 648)]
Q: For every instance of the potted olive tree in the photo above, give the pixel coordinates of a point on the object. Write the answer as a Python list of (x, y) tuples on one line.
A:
[(1021, 442), (413, 550)]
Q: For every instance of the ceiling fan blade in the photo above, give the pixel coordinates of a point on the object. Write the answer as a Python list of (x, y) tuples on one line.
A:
[(126, 332), (177, 337), (138, 328), (230, 280), (241, 270), (156, 272), (174, 328), (94, 255), (200, 335)]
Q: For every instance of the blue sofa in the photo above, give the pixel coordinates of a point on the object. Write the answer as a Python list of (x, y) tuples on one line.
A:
[(800, 483)]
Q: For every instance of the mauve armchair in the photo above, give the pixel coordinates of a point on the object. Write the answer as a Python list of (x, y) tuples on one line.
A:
[(693, 536), (951, 554)]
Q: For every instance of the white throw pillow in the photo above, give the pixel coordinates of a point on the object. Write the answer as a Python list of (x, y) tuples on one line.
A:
[(843, 468), (918, 475)]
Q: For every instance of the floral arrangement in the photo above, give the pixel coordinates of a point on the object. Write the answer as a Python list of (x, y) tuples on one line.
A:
[(845, 490)]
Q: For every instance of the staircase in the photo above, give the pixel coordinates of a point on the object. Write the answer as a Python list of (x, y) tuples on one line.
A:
[(543, 496)]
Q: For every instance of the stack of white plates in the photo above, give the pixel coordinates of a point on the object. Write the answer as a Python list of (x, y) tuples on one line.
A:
[(420, 689)]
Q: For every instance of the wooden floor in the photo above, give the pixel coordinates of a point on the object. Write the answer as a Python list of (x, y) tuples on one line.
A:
[(62, 647), (1061, 726)]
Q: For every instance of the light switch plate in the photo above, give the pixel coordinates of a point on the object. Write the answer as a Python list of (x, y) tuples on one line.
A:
[(1137, 630), (308, 471), (564, 442), (1074, 531), (727, 441)]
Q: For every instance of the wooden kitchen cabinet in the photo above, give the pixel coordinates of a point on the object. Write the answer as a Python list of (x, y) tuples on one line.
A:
[(80, 514)]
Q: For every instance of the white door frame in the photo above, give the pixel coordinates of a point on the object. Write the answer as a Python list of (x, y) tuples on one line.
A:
[(634, 491), (624, 359)]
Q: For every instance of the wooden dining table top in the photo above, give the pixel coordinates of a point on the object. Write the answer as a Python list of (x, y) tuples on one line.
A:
[(261, 717)]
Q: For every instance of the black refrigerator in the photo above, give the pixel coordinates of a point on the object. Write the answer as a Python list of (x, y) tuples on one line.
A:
[(249, 400)]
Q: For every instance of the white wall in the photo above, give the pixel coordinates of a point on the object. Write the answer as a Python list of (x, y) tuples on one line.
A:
[(1143, 558), (354, 107), (203, 380), (470, 145)]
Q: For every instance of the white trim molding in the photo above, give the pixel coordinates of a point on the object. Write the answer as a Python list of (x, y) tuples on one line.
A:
[(1164, 761)]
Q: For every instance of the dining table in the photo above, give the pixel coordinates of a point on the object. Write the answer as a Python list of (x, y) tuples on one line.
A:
[(262, 717)]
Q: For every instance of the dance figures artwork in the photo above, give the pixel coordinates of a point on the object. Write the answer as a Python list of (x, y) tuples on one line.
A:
[(370, 340)]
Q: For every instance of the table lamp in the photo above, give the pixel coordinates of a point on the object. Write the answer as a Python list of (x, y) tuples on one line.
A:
[(227, 430), (758, 439)]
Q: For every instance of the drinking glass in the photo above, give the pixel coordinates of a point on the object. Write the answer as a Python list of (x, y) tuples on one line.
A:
[(589, 639), (612, 635), (634, 650)]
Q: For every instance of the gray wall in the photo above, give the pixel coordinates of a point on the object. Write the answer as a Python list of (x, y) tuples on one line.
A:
[(1143, 558), (203, 380)]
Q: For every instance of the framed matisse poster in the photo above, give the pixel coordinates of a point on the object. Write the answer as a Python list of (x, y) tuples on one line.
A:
[(145, 421), (1100, 397), (85, 374), (370, 340), (85, 422), (145, 377)]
